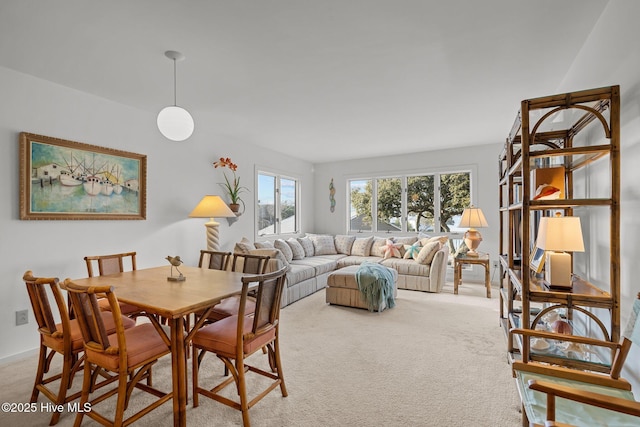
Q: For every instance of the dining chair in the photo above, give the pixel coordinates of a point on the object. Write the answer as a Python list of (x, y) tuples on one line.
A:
[(237, 337), (62, 338), (128, 353), (111, 264), (587, 398), (214, 260)]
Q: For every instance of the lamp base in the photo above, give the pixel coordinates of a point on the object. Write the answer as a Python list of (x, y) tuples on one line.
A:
[(213, 241), (557, 270), (472, 239)]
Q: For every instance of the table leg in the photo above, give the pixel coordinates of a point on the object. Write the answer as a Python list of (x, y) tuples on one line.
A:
[(456, 276), (178, 367), (487, 279)]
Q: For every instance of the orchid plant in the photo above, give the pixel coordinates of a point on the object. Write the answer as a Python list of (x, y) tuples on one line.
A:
[(231, 186)]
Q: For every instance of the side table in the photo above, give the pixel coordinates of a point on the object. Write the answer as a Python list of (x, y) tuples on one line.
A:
[(482, 260)]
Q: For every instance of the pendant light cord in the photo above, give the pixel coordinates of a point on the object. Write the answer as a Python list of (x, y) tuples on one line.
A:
[(175, 102)]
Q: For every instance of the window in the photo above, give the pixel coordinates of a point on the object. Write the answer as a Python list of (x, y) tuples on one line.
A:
[(419, 203), (277, 211)]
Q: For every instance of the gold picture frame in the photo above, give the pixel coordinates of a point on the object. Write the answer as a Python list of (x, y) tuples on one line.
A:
[(67, 180), (536, 260)]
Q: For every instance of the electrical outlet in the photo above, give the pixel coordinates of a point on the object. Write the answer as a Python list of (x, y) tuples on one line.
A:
[(22, 317)]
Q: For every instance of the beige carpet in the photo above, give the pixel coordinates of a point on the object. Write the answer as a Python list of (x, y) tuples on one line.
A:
[(433, 360)]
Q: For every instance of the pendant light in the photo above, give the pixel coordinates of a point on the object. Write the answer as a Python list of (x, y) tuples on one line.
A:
[(174, 122)]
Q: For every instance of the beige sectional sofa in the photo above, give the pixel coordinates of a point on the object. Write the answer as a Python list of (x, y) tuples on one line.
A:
[(421, 263)]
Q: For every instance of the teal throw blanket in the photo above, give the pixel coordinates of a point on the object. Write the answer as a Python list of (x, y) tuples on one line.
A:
[(375, 283)]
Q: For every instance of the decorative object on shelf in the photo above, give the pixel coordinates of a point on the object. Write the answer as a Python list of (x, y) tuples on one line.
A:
[(175, 123), (232, 187), (536, 260), (212, 207), (472, 218), (557, 235), (332, 199), (62, 179), (175, 261)]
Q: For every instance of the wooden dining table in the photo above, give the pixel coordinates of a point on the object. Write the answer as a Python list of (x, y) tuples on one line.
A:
[(151, 290)]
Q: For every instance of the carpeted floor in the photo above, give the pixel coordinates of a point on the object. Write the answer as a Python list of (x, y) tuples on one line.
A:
[(433, 360)]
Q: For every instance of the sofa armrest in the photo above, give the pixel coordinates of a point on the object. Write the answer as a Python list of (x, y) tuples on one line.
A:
[(438, 269)]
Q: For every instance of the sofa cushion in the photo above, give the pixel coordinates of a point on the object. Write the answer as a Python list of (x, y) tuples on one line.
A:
[(356, 260), (323, 244), (283, 247), (296, 248), (321, 264), (427, 252), (377, 248), (407, 267), (243, 246), (362, 246), (299, 272), (343, 243), (307, 245)]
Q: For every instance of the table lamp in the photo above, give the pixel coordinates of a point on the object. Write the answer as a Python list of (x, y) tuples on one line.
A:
[(557, 235), (212, 207), (472, 218)]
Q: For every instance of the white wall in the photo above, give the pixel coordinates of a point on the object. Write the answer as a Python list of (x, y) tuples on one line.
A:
[(179, 174)]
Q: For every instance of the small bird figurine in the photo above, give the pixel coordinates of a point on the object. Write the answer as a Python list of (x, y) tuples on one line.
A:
[(175, 261)]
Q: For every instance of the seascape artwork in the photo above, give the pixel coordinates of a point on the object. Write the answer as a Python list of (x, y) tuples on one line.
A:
[(69, 179)]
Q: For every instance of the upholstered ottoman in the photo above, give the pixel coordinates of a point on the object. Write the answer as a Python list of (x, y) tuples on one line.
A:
[(342, 288)]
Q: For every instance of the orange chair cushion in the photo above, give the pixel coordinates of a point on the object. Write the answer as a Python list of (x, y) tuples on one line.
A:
[(125, 308), (220, 337), (77, 342), (143, 344)]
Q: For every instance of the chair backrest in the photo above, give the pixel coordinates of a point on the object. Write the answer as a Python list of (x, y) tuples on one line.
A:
[(252, 264), (110, 264), (631, 335), (268, 297), (216, 260), (37, 289), (85, 305)]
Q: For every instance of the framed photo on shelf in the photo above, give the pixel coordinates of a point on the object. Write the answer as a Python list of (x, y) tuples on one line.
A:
[(62, 179), (536, 260)]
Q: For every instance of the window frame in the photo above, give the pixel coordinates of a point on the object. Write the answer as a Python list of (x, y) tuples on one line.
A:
[(279, 176), (403, 175)]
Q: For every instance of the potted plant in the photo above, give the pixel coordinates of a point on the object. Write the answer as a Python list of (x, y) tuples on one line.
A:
[(231, 186)]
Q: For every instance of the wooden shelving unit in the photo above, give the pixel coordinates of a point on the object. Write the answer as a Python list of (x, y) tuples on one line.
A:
[(580, 132)]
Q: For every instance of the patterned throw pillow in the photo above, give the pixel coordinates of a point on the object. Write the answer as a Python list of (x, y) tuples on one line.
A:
[(307, 245), (377, 248), (323, 244), (412, 251), (296, 248), (344, 243), (243, 246), (273, 253), (362, 246), (392, 250), (428, 251), (284, 248)]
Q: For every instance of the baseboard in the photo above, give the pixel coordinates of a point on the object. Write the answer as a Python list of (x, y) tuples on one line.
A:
[(19, 356)]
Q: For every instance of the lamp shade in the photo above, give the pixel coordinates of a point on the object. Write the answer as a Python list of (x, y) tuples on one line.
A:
[(175, 123), (473, 217), (212, 207), (560, 233)]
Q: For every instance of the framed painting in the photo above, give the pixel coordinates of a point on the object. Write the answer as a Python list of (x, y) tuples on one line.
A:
[(536, 260), (62, 179)]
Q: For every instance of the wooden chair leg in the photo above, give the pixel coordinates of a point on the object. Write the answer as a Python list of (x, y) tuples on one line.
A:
[(84, 397), (195, 364), (242, 392), (40, 374), (65, 383)]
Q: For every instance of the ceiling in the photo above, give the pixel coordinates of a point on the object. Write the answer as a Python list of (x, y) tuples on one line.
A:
[(320, 80)]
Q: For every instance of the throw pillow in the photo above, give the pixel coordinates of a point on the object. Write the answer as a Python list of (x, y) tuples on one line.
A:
[(441, 239), (409, 240), (412, 251), (307, 245), (323, 244), (264, 245), (296, 248), (344, 243), (377, 247), (283, 247), (428, 251), (362, 246), (273, 253), (244, 246), (391, 250)]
